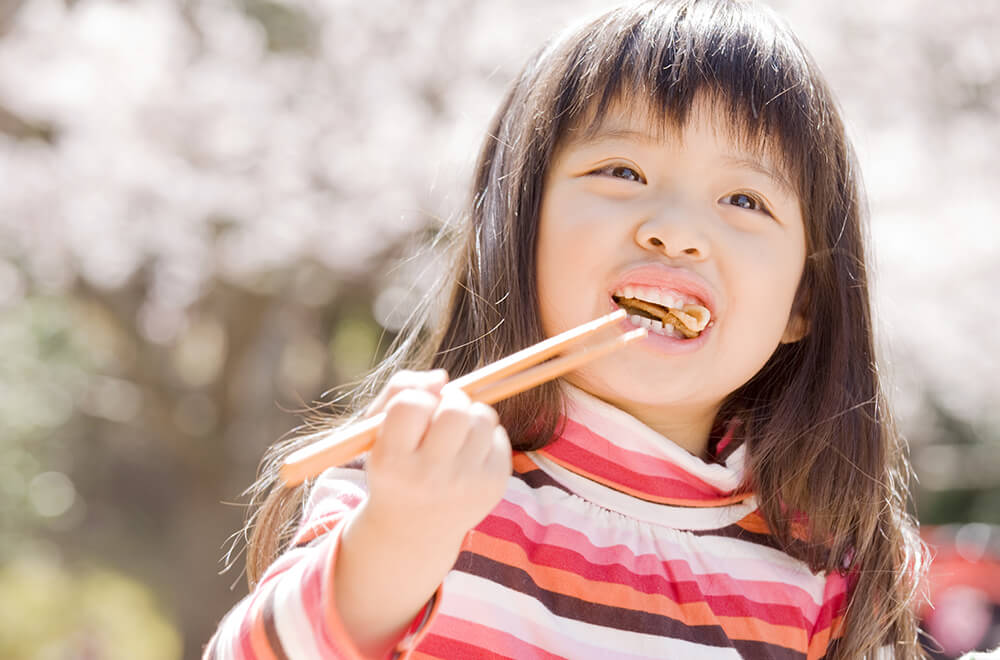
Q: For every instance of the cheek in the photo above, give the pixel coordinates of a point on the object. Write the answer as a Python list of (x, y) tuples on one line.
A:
[(557, 271), (570, 249), (767, 310)]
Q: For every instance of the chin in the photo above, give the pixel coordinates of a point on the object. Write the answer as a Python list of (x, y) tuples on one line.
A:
[(622, 388)]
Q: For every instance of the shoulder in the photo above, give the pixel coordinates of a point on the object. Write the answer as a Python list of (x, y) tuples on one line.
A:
[(335, 493), (346, 485)]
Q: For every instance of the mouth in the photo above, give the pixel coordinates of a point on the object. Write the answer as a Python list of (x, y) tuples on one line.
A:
[(664, 311)]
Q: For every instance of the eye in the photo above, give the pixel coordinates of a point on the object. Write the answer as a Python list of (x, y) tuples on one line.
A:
[(745, 201), (621, 172)]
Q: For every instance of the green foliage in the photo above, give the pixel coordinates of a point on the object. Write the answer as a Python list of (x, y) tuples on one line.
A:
[(48, 611), (287, 28), (45, 371)]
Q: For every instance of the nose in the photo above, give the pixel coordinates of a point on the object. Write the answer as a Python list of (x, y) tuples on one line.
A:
[(673, 237)]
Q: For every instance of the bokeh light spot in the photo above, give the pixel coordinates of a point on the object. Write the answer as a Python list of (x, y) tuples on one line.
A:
[(51, 494)]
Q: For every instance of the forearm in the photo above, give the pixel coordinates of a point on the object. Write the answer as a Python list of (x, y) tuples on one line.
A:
[(386, 572)]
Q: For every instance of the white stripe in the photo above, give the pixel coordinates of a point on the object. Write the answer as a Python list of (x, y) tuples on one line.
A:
[(677, 517), (705, 555), (290, 618), (627, 432), (227, 635), (494, 606), (334, 483)]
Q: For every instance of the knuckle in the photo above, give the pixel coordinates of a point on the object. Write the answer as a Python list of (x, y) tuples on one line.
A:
[(412, 401), (454, 403), (501, 442), (452, 414), (456, 397), (485, 413), (402, 378)]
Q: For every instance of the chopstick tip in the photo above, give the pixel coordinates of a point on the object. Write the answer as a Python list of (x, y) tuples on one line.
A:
[(289, 476), (634, 335)]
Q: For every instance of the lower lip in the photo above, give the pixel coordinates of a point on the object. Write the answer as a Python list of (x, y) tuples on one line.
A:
[(664, 344)]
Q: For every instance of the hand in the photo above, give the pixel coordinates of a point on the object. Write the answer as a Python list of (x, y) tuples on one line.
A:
[(440, 462)]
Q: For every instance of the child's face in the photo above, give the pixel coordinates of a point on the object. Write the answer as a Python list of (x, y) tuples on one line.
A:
[(692, 214)]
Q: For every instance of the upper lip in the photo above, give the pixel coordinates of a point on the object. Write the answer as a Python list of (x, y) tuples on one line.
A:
[(668, 277)]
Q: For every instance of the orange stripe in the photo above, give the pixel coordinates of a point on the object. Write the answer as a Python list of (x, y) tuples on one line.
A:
[(318, 528), (755, 523), (624, 596), (752, 629), (522, 463), (330, 614), (821, 640)]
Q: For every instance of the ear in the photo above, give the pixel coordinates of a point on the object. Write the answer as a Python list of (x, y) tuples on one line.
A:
[(797, 328)]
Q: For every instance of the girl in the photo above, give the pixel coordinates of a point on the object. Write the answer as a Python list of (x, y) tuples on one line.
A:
[(740, 493)]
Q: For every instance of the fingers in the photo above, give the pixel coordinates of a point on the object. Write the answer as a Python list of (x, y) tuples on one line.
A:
[(437, 426), (500, 457), (407, 416), (478, 445), (460, 429), (432, 381), (438, 457)]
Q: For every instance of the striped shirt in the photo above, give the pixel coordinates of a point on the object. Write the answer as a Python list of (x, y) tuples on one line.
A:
[(610, 542)]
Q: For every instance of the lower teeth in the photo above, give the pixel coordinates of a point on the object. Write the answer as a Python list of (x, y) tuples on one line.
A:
[(656, 327)]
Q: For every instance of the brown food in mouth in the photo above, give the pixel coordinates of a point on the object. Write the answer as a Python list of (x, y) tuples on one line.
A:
[(689, 321)]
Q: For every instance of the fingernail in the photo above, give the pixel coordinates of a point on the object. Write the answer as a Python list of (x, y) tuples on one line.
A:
[(454, 392)]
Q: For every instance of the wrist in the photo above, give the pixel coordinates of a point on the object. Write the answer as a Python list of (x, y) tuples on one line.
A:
[(386, 572)]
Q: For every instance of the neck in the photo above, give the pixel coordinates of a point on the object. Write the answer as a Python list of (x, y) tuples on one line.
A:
[(686, 426)]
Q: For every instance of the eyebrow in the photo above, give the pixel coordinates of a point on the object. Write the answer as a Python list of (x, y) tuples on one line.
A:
[(746, 161), (755, 165), (604, 133)]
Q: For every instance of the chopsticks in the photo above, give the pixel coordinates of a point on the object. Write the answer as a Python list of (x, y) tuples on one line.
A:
[(499, 380)]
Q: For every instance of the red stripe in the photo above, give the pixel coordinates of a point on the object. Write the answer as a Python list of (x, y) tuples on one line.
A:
[(444, 647), (833, 607), (576, 451), (764, 591), (497, 641), (246, 644), (681, 587), (313, 579), (640, 461)]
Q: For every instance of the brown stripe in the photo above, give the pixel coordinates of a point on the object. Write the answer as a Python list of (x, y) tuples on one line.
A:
[(750, 650), (796, 549), (734, 531), (537, 479), (593, 613), (617, 617), (270, 627)]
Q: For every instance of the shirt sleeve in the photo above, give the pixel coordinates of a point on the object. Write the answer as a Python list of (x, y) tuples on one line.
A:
[(291, 612)]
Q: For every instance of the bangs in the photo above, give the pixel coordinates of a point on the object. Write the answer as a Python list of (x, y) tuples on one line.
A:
[(663, 60)]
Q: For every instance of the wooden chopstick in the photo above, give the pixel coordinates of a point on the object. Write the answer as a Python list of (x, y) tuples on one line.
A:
[(494, 382)]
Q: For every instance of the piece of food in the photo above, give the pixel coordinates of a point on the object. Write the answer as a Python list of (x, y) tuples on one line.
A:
[(689, 320)]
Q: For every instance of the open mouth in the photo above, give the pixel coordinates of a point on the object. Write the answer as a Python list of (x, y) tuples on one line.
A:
[(664, 312)]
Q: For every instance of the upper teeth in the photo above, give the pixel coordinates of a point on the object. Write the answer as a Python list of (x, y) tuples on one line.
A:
[(666, 297)]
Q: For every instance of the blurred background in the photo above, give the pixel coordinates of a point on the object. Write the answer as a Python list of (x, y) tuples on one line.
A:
[(209, 211)]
